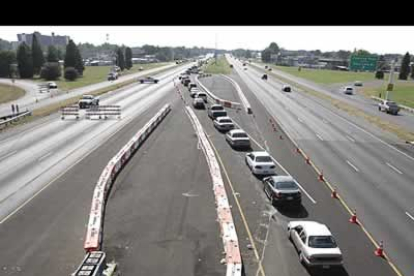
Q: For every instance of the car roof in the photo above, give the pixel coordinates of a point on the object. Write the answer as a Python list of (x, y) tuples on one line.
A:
[(314, 228), (198, 99), (260, 153), (237, 131), (223, 117), (282, 178)]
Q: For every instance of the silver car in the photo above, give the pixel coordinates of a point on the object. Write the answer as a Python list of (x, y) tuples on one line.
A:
[(238, 138)]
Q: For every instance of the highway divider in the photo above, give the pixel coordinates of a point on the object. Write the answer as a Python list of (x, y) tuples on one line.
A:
[(16, 117), (225, 218), (94, 233), (242, 97), (218, 100)]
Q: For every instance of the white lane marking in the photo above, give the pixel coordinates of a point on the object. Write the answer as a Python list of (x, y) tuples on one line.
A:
[(350, 138), (44, 156), (410, 216), (394, 168), (325, 121), (320, 137), (280, 165), (350, 164), (300, 120), (7, 155), (267, 148)]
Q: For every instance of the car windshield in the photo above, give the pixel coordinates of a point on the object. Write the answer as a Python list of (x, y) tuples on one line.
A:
[(225, 121), (217, 108), (263, 159), (240, 135), (391, 103), (285, 185), (322, 242)]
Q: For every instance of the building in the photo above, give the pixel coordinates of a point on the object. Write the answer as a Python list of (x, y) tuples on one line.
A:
[(44, 40)]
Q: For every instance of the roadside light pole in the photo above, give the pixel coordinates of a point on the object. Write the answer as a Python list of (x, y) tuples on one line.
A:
[(390, 86)]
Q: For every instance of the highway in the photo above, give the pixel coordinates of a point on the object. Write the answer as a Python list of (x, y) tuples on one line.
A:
[(44, 99), (371, 175), (267, 224), (403, 119), (48, 178)]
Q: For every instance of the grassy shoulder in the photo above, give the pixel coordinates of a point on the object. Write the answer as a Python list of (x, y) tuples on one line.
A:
[(403, 92), (377, 121), (10, 93), (96, 74), (221, 66)]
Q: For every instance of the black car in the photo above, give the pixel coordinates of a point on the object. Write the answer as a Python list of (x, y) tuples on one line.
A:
[(264, 77)]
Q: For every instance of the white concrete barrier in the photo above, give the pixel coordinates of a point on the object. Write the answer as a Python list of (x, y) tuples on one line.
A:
[(243, 98), (218, 100), (225, 219), (93, 237)]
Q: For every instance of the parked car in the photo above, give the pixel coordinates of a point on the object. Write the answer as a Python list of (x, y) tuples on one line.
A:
[(260, 163), (389, 107), (349, 90), (148, 80), (358, 83), (282, 190), (202, 95), (112, 76), (238, 138), (52, 85), (286, 88), (223, 123), (315, 244), (215, 111), (198, 103)]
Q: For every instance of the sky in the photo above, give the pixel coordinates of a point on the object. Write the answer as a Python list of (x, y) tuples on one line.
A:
[(376, 39)]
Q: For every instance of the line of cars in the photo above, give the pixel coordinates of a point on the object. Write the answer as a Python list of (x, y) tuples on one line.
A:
[(313, 241)]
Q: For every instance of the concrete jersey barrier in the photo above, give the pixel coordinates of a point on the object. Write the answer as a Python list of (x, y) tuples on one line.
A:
[(93, 237), (225, 218)]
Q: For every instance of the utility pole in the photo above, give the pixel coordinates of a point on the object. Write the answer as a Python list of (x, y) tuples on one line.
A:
[(390, 86)]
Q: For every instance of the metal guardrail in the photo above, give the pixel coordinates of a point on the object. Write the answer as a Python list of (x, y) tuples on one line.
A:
[(15, 118)]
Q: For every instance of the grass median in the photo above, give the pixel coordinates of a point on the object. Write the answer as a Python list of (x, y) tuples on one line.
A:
[(403, 92), (219, 66), (377, 121), (10, 93)]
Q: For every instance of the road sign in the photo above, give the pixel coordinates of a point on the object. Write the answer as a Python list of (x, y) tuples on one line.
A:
[(363, 62)]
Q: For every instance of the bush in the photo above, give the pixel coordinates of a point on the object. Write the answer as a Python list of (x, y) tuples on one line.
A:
[(50, 71), (379, 75), (71, 74)]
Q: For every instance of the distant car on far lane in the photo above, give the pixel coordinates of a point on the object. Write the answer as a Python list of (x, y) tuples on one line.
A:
[(148, 80), (358, 83), (389, 107), (260, 163), (349, 90), (52, 85), (264, 77), (286, 88)]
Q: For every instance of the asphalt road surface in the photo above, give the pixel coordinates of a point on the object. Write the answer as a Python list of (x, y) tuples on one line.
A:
[(49, 170), (267, 224), (371, 175)]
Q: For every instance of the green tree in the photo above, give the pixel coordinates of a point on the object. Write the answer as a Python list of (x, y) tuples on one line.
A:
[(73, 57), (25, 61), (361, 52), (405, 67), (248, 54), (60, 54), (274, 48), (50, 71), (79, 62), (6, 59), (71, 73), (120, 61), (266, 55), (128, 58), (52, 54), (412, 71), (37, 55)]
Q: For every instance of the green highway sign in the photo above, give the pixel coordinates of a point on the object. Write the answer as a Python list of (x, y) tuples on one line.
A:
[(363, 63)]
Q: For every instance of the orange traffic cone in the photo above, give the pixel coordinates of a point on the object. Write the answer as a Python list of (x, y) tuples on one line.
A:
[(321, 177), (297, 150), (353, 218), (380, 250), (307, 160)]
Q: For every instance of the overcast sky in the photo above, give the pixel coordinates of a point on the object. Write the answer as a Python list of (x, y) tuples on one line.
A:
[(378, 39)]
